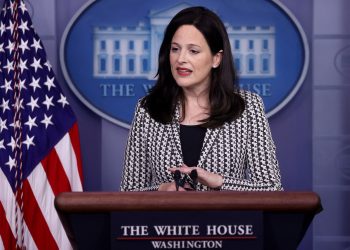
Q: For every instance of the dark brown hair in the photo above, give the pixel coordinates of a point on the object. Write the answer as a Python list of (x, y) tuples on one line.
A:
[(225, 102)]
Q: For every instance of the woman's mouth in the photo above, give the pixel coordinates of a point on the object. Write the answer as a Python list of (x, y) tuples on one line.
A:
[(183, 71)]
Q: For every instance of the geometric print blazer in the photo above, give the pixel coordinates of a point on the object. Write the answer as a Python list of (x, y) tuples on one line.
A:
[(242, 151)]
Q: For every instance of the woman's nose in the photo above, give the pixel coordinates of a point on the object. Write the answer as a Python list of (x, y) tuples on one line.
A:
[(182, 56)]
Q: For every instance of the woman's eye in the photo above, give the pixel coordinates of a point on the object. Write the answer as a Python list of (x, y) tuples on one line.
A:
[(194, 51), (174, 49)]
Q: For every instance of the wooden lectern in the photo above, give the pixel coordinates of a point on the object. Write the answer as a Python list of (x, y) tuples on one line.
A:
[(87, 216)]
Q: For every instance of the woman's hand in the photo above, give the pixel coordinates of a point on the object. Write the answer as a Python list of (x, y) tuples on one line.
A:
[(206, 178), (171, 186)]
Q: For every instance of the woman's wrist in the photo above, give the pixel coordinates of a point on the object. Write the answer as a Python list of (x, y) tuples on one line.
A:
[(211, 180), (217, 182)]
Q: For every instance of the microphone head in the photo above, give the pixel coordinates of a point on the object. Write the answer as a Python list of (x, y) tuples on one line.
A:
[(177, 179), (177, 175), (194, 174)]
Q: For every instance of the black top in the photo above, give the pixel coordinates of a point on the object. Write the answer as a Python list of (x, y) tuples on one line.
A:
[(191, 137)]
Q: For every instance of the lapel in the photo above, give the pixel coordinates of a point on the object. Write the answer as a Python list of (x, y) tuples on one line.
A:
[(209, 139), (174, 130)]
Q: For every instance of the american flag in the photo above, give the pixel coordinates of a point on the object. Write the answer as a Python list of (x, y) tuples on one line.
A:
[(39, 145)]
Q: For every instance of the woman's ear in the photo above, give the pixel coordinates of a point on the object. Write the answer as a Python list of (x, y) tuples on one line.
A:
[(217, 59)]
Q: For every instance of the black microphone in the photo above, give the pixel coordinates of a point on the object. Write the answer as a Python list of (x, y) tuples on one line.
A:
[(177, 179), (194, 177)]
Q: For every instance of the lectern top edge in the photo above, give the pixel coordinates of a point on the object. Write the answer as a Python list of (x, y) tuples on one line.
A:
[(156, 201)]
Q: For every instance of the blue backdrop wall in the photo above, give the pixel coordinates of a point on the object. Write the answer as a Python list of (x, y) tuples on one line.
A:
[(312, 132)]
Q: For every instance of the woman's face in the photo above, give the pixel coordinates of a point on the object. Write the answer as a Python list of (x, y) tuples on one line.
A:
[(191, 60)]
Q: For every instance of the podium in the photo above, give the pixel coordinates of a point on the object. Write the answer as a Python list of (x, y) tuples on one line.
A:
[(136, 220)]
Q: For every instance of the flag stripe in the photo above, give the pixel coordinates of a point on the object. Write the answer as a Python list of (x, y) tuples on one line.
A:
[(2, 246), (44, 196), (68, 160), (5, 232), (7, 202), (55, 173), (35, 220), (7, 199), (74, 135)]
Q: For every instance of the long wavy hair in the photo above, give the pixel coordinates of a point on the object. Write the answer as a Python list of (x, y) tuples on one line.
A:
[(225, 102)]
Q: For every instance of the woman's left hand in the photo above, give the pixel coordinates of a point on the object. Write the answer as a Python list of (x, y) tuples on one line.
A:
[(206, 178)]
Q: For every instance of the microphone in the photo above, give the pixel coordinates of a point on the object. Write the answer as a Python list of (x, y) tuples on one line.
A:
[(194, 176), (191, 179), (177, 179)]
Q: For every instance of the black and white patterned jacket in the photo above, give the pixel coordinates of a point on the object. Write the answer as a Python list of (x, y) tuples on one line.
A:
[(241, 151)]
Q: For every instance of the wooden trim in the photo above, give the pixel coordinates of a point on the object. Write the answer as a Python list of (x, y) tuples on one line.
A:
[(172, 201)]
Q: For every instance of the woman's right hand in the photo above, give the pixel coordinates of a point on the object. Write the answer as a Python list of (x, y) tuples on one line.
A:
[(171, 186)]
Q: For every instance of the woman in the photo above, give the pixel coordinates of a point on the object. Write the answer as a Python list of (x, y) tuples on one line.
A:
[(196, 118)]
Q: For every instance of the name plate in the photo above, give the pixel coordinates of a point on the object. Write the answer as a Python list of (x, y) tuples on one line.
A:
[(187, 230)]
